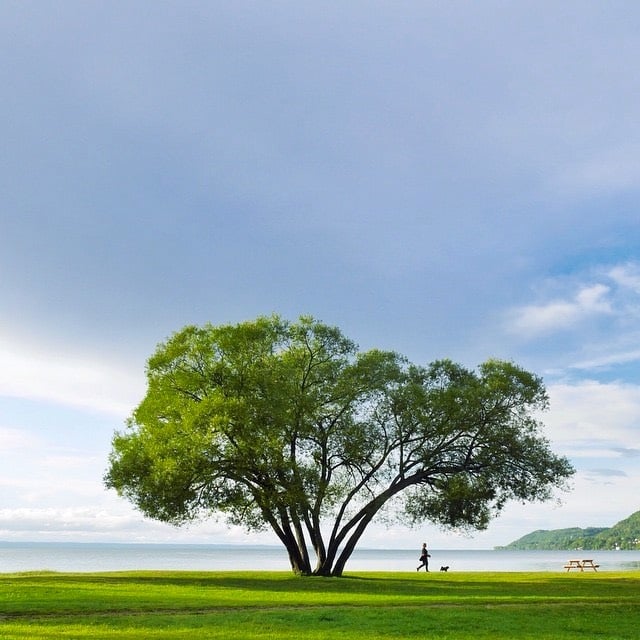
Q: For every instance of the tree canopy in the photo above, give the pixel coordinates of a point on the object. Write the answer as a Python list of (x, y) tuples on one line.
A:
[(288, 425)]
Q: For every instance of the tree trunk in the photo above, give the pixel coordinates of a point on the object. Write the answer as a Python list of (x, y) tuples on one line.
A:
[(298, 558), (364, 518), (299, 562)]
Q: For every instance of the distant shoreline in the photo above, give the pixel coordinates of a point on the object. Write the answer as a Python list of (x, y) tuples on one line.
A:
[(68, 556)]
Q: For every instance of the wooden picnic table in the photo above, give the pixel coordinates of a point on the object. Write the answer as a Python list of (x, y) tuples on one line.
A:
[(581, 565)]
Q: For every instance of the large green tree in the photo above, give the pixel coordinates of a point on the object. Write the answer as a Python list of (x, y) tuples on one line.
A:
[(287, 425)]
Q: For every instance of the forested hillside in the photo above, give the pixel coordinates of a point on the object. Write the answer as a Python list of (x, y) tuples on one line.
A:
[(623, 535)]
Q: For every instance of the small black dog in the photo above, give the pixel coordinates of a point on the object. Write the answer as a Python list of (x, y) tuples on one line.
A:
[(445, 569)]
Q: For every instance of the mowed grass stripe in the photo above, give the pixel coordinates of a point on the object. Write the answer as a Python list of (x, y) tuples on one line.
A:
[(232, 605)]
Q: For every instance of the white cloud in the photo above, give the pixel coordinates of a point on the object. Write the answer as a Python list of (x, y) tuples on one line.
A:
[(598, 311), (112, 520), (532, 320), (67, 379), (626, 276), (17, 439), (71, 462), (597, 499), (61, 519), (607, 170), (608, 359), (604, 415), (597, 474), (97, 523)]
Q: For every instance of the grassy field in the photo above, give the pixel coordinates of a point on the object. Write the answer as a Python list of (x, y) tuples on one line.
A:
[(235, 606)]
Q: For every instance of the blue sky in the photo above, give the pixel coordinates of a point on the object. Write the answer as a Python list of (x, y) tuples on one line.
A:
[(455, 179)]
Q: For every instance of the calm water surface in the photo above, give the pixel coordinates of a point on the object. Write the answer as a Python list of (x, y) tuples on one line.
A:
[(37, 556)]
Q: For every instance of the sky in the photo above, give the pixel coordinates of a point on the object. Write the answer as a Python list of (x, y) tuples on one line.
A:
[(443, 179)]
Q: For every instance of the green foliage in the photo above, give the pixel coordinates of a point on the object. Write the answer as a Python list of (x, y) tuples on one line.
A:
[(623, 535), (289, 426), (571, 538)]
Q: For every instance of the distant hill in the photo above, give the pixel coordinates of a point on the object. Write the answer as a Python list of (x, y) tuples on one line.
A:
[(623, 535)]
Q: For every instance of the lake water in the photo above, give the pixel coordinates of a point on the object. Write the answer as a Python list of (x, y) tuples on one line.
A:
[(85, 557)]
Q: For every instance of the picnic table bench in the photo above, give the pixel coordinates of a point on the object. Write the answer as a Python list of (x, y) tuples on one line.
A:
[(581, 565)]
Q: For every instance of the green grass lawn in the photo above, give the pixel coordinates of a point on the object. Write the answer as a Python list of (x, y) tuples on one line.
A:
[(242, 605)]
